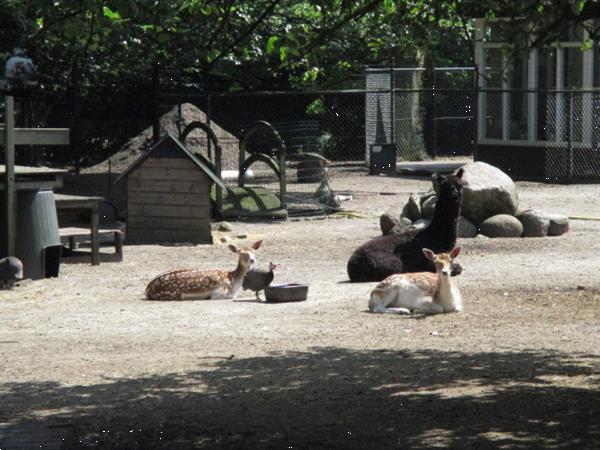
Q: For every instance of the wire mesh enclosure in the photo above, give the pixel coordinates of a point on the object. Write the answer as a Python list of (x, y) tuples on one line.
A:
[(549, 135), (426, 115), (316, 128)]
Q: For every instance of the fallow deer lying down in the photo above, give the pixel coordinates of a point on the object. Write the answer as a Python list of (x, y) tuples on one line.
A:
[(420, 292), (203, 284)]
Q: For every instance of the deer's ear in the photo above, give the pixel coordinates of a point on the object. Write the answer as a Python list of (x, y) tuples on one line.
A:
[(233, 248), (429, 254), (257, 245), (455, 252)]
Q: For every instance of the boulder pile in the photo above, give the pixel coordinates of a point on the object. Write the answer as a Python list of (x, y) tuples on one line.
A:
[(490, 208)]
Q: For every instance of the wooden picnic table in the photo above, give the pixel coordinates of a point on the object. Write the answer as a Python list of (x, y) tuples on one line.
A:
[(87, 204), (34, 178)]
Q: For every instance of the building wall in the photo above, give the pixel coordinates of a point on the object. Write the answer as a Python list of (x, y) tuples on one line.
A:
[(168, 200), (378, 116)]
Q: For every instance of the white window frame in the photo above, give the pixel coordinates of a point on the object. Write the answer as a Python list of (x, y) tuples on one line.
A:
[(532, 98)]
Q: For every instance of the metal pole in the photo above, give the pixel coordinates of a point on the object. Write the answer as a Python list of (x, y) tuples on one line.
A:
[(208, 115), (475, 136), (434, 114), (75, 123), (570, 135), (392, 112), (155, 96), (11, 216)]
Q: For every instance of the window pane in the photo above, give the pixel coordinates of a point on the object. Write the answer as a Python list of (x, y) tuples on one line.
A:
[(494, 67), (547, 68), (518, 100), (546, 104), (493, 100), (573, 68)]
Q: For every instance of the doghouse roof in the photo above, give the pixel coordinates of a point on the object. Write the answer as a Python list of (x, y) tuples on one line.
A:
[(198, 160)]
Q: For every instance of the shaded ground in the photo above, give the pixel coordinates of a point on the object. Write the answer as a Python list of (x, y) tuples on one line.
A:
[(87, 363)]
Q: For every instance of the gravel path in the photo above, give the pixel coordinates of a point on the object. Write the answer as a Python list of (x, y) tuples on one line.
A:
[(87, 363)]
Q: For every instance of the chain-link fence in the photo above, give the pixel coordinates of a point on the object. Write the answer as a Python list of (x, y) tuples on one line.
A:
[(552, 135), (316, 129), (542, 135), (425, 114)]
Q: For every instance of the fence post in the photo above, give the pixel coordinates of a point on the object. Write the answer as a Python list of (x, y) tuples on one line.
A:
[(208, 114), (434, 114), (75, 122), (570, 135), (392, 112), (476, 93), (9, 148), (155, 94)]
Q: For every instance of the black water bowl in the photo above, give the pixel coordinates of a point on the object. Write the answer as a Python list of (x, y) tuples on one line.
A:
[(290, 292)]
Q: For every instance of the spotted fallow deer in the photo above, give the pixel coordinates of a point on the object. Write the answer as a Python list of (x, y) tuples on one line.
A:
[(203, 284), (420, 292)]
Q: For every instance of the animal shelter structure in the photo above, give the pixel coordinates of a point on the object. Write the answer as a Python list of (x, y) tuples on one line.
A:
[(168, 195), (537, 114)]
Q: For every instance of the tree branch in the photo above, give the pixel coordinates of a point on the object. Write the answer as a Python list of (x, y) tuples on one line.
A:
[(324, 34), (221, 27), (245, 34)]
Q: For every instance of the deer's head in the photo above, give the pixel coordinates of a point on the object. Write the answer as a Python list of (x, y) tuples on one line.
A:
[(442, 261), (246, 254)]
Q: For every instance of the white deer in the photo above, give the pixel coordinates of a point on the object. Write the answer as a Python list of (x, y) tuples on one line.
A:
[(203, 284), (420, 292)]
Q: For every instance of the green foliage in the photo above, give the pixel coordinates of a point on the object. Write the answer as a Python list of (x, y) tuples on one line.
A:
[(316, 107), (249, 40), (107, 47)]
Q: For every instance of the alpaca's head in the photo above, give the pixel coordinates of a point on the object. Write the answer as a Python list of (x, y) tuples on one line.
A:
[(450, 186)]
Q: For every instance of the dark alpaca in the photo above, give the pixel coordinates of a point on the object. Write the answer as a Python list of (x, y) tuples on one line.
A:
[(386, 255)]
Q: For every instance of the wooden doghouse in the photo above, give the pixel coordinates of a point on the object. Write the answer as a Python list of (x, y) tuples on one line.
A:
[(168, 195)]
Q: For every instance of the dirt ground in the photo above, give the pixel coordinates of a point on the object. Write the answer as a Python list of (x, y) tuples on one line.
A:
[(87, 363)]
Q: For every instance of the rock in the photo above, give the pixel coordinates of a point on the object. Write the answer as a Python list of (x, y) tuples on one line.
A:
[(225, 226), (424, 196), (414, 207), (501, 225), (401, 226), (520, 210), (488, 192), (559, 224), (420, 224), (405, 212), (389, 220), (466, 229), (428, 207), (225, 239), (535, 223)]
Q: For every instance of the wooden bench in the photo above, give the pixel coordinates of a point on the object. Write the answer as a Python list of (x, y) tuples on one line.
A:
[(72, 235), (88, 205)]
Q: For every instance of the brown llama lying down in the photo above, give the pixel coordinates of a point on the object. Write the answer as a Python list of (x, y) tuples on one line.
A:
[(400, 253)]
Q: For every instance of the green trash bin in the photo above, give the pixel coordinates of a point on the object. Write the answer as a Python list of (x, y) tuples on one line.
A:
[(38, 243)]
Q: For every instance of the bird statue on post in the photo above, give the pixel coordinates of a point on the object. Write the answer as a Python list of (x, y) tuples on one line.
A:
[(19, 73), (258, 279), (325, 195)]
